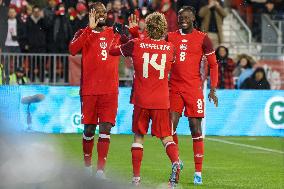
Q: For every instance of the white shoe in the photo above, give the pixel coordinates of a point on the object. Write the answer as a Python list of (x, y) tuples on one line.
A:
[(89, 171), (100, 175), (136, 181), (197, 180)]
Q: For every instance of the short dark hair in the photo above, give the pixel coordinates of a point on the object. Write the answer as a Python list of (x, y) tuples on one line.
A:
[(35, 7), (94, 4), (187, 8)]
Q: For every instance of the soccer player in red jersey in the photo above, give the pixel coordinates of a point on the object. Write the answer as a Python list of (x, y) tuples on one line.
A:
[(152, 59), (186, 86), (99, 85)]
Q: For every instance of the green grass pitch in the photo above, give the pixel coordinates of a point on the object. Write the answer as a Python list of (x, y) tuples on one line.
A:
[(229, 166)]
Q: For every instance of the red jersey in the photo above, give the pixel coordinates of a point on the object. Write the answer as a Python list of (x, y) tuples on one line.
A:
[(152, 61), (190, 48), (99, 71)]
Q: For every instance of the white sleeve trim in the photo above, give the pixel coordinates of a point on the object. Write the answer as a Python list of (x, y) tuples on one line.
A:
[(209, 53), (121, 50)]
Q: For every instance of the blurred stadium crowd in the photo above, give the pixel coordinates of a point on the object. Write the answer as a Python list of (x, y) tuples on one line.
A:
[(47, 26)]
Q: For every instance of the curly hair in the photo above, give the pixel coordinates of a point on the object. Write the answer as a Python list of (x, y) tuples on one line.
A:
[(156, 25)]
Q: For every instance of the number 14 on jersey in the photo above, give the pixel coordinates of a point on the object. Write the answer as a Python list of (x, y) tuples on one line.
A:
[(153, 62)]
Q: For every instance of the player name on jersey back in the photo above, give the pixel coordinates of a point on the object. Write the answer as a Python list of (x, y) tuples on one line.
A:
[(154, 46)]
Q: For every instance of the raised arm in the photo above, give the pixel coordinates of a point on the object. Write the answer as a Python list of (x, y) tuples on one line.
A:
[(133, 26)]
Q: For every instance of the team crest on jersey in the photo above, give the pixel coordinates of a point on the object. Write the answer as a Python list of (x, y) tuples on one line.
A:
[(183, 47), (103, 45)]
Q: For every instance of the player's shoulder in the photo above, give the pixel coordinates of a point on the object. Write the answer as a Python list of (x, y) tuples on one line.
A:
[(173, 34), (199, 33)]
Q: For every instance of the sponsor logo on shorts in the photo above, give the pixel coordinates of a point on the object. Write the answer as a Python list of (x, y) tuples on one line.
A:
[(274, 112)]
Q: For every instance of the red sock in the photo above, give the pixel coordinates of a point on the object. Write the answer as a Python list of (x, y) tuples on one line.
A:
[(137, 155), (172, 151), (175, 137), (102, 149), (88, 144), (198, 150)]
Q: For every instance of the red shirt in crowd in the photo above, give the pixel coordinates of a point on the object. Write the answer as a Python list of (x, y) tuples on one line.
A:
[(99, 73), (190, 48), (226, 78), (152, 61)]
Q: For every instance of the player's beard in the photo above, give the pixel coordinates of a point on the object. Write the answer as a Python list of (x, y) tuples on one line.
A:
[(101, 24)]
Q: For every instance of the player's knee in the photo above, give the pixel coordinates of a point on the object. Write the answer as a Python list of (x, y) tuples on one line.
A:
[(105, 128), (195, 126), (89, 129), (138, 138), (196, 132), (167, 139)]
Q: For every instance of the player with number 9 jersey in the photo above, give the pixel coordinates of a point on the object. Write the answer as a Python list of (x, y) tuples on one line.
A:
[(99, 85), (99, 74)]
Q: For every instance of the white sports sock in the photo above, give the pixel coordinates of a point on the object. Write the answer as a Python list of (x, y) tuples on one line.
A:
[(198, 174)]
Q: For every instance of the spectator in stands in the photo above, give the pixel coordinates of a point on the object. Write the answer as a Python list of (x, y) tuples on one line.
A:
[(18, 78), (36, 28), (270, 9), (12, 33), (212, 14), (18, 4), (49, 11), (142, 29), (117, 14), (81, 20), (72, 14), (143, 11), (258, 7), (2, 75), (258, 80), (3, 24), (49, 14), (226, 67), (61, 31), (154, 6), (170, 14), (244, 69)]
